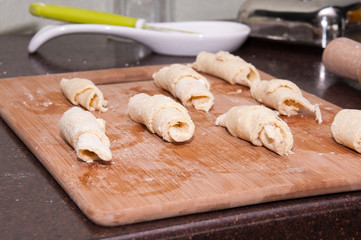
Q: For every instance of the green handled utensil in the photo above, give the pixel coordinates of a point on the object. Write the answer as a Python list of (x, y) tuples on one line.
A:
[(79, 15)]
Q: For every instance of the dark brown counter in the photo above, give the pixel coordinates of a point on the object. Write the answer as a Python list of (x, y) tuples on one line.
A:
[(34, 206)]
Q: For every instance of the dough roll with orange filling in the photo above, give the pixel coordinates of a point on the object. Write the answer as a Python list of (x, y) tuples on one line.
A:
[(185, 84), (230, 68), (259, 125), (81, 91), (284, 96), (86, 134), (162, 115)]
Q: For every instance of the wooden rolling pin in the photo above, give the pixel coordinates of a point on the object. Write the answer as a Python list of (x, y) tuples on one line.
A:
[(342, 57)]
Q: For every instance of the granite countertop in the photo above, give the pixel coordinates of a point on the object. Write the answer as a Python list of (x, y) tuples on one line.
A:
[(34, 206)]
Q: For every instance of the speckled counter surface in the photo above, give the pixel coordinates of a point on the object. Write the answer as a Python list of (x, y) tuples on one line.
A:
[(34, 206)]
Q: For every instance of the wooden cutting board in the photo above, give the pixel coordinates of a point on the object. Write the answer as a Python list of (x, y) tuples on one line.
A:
[(152, 179)]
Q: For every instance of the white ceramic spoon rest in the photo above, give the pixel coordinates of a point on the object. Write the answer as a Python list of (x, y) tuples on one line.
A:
[(210, 36)]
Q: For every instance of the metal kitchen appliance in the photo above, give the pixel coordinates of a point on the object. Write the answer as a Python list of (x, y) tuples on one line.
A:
[(300, 21)]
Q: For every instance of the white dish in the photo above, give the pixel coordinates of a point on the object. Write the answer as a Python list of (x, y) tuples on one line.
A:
[(210, 36)]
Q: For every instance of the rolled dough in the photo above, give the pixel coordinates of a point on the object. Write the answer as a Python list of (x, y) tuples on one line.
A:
[(86, 134), (185, 84), (346, 128), (229, 67), (283, 95), (162, 115), (259, 125), (81, 91)]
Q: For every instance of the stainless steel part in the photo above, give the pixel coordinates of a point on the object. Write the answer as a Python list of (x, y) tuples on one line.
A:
[(295, 22)]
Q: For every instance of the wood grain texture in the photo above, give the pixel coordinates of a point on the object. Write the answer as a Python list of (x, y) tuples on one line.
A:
[(150, 178)]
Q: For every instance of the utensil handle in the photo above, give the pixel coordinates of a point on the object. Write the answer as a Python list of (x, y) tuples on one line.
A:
[(342, 57), (79, 15)]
